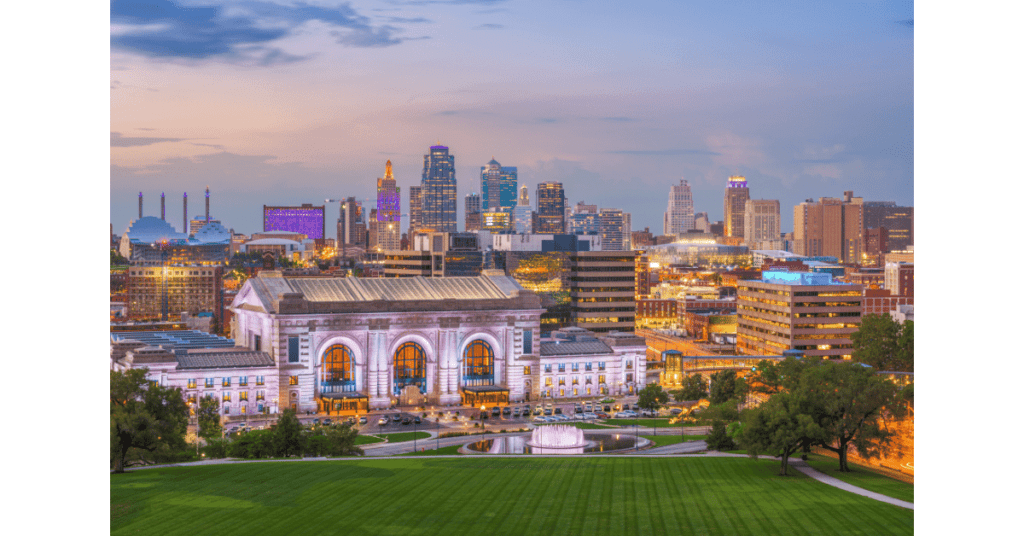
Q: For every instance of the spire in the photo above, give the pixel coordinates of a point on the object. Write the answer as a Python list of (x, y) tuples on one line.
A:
[(387, 171)]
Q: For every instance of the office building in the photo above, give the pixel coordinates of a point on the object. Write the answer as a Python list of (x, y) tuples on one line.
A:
[(736, 196), (679, 216), (415, 209), (389, 213), (440, 210), (614, 229), (701, 222), (898, 222), (496, 222), (434, 254), (473, 216), (584, 220), (163, 292), (797, 311), (831, 227), (352, 229), (550, 208), (524, 197), (762, 223), (498, 187), (641, 239), (602, 290), (899, 278), (306, 219), (522, 219)]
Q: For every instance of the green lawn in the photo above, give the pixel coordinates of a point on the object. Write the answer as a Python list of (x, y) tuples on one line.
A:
[(404, 436), (863, 477), (470, 495), (366, 440), (662, 440), (648, 422), (454, 449)]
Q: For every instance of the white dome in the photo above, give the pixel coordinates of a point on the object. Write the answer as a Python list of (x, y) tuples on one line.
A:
[(213, 233), (150, 229)]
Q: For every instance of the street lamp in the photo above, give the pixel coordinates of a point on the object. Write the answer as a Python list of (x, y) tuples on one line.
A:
[(437, 422)]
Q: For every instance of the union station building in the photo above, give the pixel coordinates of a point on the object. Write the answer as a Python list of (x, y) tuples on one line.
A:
[(350, 345)]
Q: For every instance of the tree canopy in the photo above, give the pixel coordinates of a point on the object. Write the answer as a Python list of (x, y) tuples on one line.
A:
[(208, 417), (725, 386), (144, 416), (652, 397), (884, 343), (695, 387)]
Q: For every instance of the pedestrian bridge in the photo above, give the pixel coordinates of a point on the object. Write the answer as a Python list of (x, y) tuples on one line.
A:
[(678, 366)]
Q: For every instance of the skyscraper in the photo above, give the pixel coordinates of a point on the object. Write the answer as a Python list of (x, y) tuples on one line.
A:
[(498, 187), (736, 196), (550, 208), (898, 223), (473, 221), (415, 209), (614, 234), (831, 227), (351, 224), (389, 213), (762, 224), (440, 211), (524, 197), (584, 220), (679, 216)]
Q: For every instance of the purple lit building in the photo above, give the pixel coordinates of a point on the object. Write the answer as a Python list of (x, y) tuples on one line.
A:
[(307, 219)]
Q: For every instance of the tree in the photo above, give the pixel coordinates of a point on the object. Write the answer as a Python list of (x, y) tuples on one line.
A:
[(719, 439), (779, 427), (144, 416), (341, 441), (652, 397), (208, 416), (695, 387), (884, 343), (288, 438), (116, 259), (724, 386)]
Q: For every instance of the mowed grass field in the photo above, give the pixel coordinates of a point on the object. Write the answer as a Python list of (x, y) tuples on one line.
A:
[(481, 495)]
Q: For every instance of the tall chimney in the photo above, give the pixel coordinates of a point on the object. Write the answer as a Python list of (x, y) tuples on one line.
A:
[(207, 204), (163, 215), (184, 212), (140, 205)]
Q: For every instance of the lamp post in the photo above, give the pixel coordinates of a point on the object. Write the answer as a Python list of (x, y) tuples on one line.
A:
[(483, 416), (414, 425), (437, 422)]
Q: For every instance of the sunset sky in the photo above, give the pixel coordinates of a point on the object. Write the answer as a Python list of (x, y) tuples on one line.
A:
[(280, 102)]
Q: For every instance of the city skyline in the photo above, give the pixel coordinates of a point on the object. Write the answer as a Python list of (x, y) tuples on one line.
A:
[(803, 100)]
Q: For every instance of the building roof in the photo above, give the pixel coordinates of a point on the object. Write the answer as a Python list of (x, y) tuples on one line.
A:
[(777, 254), (177, 341), (224, 359), (559, 348), (212, 233), (150, 230), (271, 242)]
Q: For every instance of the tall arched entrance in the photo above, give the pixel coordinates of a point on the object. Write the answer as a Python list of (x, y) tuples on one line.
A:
[(337, 383), (478, 387), (410, 368)]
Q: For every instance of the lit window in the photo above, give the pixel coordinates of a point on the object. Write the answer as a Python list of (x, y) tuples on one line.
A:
[(192, 383), (209, 383), (293, 380), (225, 382), (227, 396), (243, 396), (243, 381), (526, 371)]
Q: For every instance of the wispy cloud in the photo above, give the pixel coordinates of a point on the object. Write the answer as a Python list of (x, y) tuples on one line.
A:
[(489, 26), (618, 119), (404, 20), (665, 152), (238, 31), (117, 140)]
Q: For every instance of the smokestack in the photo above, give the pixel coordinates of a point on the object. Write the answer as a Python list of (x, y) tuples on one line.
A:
[(140, 205), (184, 212), (163, 215), (207, 204)]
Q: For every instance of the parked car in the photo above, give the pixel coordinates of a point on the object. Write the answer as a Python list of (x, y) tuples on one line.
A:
[(383, 421), (538, 410), (561, 417), (578, 408), (676, 411), (417, 420), (607, 408), (540, 418), (589, 415), (351, 420), (558, 411), (516, 413), (396, 418), (327, 422), (316, 421), (506, 411), (362, 420), (495, 411), (602, 415), (547, 411), (635, 407)]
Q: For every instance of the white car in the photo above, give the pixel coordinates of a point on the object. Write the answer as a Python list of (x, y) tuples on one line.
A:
[(625, 415), (540, 418), (588, 416)]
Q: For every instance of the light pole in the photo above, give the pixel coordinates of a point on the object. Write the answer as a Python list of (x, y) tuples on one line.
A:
[(437, 422), (414, 425)]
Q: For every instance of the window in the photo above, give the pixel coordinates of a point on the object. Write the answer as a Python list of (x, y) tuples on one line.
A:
[(629, 364), (479, 362), (256, 343), (225, 382), (243, 396), (526, 371), (293, 349), (259, 395), (547, 382), (575, 367), (547, 368), (191, 398), (410, 367), (600, 366), (293, 380), (561, 380), (209, 383), (243, 381), (227, 396), (337, 373), (575, 380), (528, 341), (629, 377), (589, 367), (600, 378), (561, 367), (192, 383), (243, 408), (259, 380)]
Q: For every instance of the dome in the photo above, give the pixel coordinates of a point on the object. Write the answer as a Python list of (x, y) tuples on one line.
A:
[(213, 233), (150, 229)]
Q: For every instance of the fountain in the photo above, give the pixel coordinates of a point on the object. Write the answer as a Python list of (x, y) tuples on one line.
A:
[(559, 436), (555, 439)]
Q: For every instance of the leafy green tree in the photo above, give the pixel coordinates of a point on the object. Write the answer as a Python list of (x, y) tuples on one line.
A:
[(719, 438), (882, 343), (724, 387), (695, 387), (116, 259), (652, 397), (779, 427), (253, 445), (341, 441), (288, 437), (144, 416), (208, 416)]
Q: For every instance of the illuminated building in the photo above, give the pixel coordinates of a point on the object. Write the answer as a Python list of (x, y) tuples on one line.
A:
[(415, 209), (899, 278), (351, 224), (882, 302), (522, 218), (614, 229), (898, 222), (762, 222), (438, 191), (797, 311), (679, 216), (876, 244), (152, 241), (701, 222), (388, 216), (900, 256), (474, 219), (354, 343), (643, 277), (602, 290), (832, 227), (496, 222), (736, 196), (306, 219), (160, 292), (437, 255), (550, 208), (574, 362), (584, 220), (498, 187), (197, 223), (698, 249)]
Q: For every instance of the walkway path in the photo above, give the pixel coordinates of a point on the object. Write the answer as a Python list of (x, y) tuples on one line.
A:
[(802, 466)]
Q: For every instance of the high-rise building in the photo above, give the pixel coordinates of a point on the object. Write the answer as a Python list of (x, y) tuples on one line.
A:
[(584, 219), (797, 311), (679, 216), (473, 217), (614, 234), (415, 209), (389, 212), (627, 231), (550, 208), (440, 210), (306, 219), (496, 222), (701, 222), (524, 197), (898, 222), (831, 227), (602, 290), (498, 187), (736, 196), (522, 219), (351, 224), (762, 223)]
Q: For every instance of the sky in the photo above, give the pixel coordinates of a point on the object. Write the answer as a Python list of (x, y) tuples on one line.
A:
[(279, 103)]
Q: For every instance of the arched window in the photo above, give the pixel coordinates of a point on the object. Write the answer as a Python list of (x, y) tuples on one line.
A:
[(410, 367), (479, 364), (337, 370)]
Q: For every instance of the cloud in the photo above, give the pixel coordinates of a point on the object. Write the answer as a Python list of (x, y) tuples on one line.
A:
[(214, 145), (404, 20), (117, 140), (666, 152), (909, 23), (618, 119), (489, 26), (236, 31)]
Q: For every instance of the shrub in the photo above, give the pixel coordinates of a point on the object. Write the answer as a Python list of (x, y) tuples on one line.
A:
[(719, 438)]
